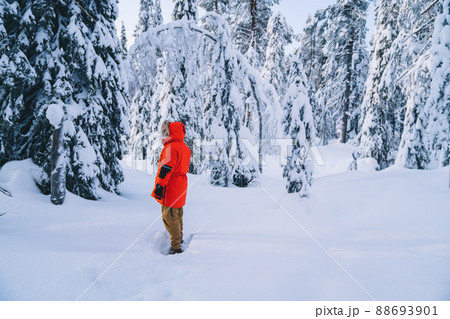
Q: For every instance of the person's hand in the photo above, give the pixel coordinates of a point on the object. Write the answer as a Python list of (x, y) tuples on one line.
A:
[(158, 191)]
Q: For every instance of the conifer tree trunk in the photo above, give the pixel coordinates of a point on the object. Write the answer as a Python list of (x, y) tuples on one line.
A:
[(253, 25), (260, 128), (58, 175), (324, 132), (348, 88)]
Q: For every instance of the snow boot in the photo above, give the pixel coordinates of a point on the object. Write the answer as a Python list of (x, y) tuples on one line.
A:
[(175, 251)]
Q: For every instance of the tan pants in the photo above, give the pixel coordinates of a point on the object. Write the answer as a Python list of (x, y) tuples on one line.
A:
[(173, 220)]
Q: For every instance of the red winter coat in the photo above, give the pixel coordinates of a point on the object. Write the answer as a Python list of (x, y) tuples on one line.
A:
[(171, 181)]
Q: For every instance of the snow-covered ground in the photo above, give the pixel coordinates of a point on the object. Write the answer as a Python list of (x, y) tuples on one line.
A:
[(361, 234)]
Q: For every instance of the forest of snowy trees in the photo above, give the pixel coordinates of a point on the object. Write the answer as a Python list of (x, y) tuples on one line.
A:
[(73, 98)]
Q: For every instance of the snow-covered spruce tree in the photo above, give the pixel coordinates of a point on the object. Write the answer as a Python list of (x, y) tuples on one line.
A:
[(123, 41), (376, 132), (150, 16), (249, 20), (397, 59), (414, 149), (78, 89), (184, 9), (345, 67), (413, 152), (144, 17), (310, 50), (312, 55), (274, 70), (27, 132), (17, 75), (97, 108), (299, 126), (438, 104), (333, 51)]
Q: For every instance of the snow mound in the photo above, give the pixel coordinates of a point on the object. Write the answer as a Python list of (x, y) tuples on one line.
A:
[(22, 176), (336, 156), (368, 164)]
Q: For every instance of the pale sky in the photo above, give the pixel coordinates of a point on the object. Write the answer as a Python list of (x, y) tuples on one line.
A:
[(295, 11)]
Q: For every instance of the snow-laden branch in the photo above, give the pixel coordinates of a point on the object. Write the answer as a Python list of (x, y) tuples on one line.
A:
[(429, 7)]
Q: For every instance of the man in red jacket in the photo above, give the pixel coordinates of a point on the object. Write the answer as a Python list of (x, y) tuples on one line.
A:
[(171, 181)]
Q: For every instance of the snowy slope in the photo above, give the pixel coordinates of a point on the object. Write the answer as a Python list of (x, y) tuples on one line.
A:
[(388, 230)]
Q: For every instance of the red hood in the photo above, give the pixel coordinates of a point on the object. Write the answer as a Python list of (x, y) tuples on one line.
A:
[(177, 131)]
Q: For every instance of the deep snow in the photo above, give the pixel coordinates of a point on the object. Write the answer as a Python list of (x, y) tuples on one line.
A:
[(387, 229)]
